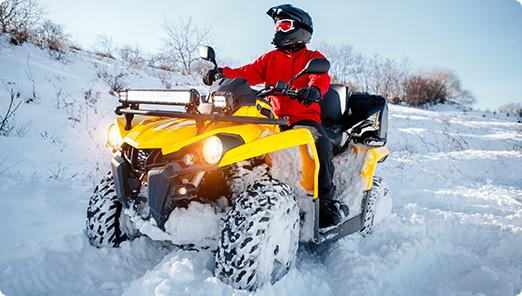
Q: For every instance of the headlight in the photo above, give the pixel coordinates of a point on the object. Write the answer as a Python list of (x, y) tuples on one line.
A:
[(219, 101), (169, 97), (114, 139), (212, 150)]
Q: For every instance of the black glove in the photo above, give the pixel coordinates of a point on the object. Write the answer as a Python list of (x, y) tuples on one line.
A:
[(210, 76), (308, 95)]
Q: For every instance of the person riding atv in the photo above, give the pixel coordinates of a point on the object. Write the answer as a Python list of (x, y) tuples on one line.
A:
[(244, 165), (293, 30)]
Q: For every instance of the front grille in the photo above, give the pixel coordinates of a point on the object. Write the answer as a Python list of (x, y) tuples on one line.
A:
[(140, 159)]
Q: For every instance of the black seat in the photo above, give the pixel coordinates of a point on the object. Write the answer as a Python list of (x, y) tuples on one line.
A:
[(334, 107)]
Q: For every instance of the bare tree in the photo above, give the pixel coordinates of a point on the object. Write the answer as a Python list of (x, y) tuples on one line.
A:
[(391, 75), (346, 63), (53, 37), (18, 17), (182, 42), (104, 46), (511, 109)]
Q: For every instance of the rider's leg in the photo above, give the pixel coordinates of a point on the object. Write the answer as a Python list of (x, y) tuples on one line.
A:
[(331, 211)]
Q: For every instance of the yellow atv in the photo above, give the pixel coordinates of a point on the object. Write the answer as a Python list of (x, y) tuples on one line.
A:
[(175, 149)]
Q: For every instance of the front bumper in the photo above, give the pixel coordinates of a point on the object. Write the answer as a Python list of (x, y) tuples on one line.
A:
[(162, 187)]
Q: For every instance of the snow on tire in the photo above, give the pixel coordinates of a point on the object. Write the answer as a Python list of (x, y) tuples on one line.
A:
[(378, 205), (103, 216), (260, 236)]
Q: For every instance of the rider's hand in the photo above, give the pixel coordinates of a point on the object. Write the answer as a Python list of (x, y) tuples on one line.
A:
[(309, 95), (210, 76)]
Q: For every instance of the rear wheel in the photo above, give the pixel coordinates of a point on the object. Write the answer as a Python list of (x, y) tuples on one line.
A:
[(105, 225), (378, 205), (260, 236)]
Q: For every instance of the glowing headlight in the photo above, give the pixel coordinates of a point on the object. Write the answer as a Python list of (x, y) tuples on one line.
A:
[(114, 139), (219, 101), (212, 150)]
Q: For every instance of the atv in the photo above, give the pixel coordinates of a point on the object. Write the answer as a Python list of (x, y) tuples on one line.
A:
[(175, 149)]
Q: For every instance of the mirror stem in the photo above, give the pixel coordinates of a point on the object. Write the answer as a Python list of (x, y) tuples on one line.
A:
[(215, 63)]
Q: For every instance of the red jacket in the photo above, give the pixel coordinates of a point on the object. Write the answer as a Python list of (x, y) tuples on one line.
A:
[(283, 65)]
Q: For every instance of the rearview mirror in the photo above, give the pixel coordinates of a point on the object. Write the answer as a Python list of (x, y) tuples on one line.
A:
[(317, 66), (207, 53), (314, 66)]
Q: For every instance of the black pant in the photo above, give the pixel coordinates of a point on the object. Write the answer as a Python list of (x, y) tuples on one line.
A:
[(325, 153)]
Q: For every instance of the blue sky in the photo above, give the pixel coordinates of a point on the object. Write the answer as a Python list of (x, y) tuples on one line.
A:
[(481, 40)]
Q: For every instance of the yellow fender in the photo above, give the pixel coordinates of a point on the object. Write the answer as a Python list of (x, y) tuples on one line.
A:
[(300, 137), (373, 156)]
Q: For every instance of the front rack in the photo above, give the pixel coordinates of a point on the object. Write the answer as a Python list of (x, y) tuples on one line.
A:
[(132, 99)]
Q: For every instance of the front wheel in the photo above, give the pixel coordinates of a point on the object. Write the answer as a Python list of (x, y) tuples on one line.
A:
[(105, 225), (260, 236)]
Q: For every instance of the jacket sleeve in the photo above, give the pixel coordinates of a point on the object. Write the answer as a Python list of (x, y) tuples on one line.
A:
[(321, 81), (254, 73)]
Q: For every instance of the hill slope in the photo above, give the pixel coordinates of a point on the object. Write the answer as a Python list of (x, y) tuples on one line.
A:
[(456, 227)]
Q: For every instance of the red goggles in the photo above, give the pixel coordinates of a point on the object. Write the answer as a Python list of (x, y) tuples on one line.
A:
[(284, 25)]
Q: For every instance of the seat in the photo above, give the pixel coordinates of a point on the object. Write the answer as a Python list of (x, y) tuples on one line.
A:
[(334, 107)]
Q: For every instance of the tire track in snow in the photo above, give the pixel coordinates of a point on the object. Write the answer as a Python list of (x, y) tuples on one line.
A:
[(70, 266)]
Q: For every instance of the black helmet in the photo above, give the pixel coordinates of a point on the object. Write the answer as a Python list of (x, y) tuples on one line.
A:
[(303, 28)]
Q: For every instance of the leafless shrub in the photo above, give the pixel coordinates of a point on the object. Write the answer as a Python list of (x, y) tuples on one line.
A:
[(201, 66), (456, 140), (181, 43), (53, 138), (74, 112), (165, 77), (162, 61), (52, 36), (19, 36), (57, 172), (4, 166), (115, 77), (511, 109), (132, 55), (18, 18), (75, 47), (435, 87), (29, 73), (91, 97), (7, 126), (104, 46), (62, 96)]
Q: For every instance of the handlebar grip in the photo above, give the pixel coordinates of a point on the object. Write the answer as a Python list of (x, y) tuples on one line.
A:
[(218, 75), (291, 93)]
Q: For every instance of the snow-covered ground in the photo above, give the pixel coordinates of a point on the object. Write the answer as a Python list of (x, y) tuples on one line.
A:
[(456, 227)]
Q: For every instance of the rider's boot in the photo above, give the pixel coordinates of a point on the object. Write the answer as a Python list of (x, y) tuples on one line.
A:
[(331, 211)]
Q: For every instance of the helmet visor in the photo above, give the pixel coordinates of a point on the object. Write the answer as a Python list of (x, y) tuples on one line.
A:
[(284, 25)]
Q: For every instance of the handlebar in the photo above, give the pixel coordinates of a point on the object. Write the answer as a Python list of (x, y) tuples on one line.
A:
[(218, 76), (278, 89)]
